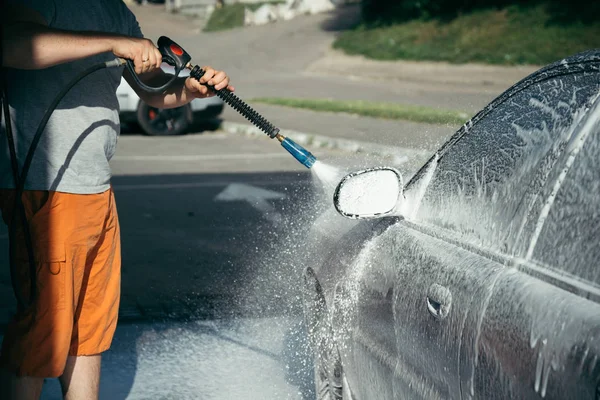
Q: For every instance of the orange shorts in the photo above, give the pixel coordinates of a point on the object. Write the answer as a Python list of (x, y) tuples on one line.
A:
[(76, 246)]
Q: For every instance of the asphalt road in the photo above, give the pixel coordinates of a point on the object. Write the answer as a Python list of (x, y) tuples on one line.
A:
[(250, 359), (207, 220)]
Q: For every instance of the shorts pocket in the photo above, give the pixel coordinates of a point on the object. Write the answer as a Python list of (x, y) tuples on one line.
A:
[(49, 252), (50, 276)]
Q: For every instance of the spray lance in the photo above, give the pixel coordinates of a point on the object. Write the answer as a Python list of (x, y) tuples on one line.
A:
[(174, 55)]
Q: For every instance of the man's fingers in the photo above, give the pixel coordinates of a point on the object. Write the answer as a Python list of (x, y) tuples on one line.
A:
[(198, 89), (137, 61), (151, 63), (219, 81), (145, 63), (215, 79), (148, 60), (158, 57), (202, 90), (208, 74), (150, 56), (154, 59)]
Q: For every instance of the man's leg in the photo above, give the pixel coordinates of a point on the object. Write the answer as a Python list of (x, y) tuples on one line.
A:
[(95, 251), (20, 388), (81, 379), (37, 339)]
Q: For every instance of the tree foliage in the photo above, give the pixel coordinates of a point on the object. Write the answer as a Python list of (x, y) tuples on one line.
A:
[(390, 11)]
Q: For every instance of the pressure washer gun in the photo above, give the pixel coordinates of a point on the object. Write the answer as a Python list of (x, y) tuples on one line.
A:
[(174, 55)]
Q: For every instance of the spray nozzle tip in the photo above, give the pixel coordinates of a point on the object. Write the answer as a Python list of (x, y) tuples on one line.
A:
[(300, 153), (310, 161)]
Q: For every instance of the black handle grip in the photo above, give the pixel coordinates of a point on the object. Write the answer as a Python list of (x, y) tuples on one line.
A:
[(172, 54)]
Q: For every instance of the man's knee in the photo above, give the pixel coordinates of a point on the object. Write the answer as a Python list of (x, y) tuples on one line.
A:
[(81, 379)]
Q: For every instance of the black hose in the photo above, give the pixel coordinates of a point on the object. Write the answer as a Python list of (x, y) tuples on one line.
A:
[(20, 184), (46, 117), (161, 89), (21, 210)]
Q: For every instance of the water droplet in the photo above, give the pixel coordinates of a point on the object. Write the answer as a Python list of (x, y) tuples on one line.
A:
[(538, 372), (546, 376)]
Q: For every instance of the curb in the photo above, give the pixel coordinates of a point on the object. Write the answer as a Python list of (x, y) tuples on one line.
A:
[(327, 142)]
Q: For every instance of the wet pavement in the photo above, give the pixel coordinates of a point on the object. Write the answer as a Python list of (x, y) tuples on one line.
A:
[(251, 359)]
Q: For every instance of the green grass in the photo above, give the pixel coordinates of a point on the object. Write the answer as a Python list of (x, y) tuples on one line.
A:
[(515, 35), (372, 109), (231, 16), (227, 17)]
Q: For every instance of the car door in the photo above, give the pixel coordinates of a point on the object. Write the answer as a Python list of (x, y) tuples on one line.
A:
[(477, 216), (415, 301), (550, 328)]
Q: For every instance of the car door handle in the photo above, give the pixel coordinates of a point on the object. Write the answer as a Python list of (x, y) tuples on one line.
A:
[(439, 301)]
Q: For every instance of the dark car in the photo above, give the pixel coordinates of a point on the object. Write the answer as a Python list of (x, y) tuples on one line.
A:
[(484, 281)]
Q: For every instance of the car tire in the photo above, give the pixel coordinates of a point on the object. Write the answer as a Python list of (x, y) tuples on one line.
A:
[(164, 122), (327, 361)]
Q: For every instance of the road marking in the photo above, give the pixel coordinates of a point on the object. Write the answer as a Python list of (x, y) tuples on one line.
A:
[(256, 197), (183, 185), (201, 157)]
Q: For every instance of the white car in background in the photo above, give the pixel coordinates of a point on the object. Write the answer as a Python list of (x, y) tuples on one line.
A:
[(164, 122)]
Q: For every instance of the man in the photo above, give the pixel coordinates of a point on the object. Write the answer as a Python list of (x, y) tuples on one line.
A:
[(68, 199)]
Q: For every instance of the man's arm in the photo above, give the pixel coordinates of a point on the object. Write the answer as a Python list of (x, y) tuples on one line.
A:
[(182, 91), (28, 43)]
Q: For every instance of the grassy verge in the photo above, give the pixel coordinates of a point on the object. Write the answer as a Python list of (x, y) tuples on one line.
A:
[(231, 16), (227, 17), (515, 35), (372, 109)]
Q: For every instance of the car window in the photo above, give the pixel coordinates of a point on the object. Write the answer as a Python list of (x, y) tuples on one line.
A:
[(486, 186), (569, 239)]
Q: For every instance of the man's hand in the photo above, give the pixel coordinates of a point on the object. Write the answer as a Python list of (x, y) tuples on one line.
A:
[(143, 52), (182, 91), (218, 79)]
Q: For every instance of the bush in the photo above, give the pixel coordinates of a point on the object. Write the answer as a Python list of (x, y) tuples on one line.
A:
[(382, 11), (386, 11)]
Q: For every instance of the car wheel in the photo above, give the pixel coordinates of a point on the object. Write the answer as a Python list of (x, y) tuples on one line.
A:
[(327, 361), (163, 122)]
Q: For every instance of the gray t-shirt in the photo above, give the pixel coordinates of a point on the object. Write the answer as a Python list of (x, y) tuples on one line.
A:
[(80, 138)]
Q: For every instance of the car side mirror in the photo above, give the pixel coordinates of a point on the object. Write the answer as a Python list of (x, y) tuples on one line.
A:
[(369, 193)]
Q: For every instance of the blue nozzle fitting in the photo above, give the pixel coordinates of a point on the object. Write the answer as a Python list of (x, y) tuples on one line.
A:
[(300, 153)]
